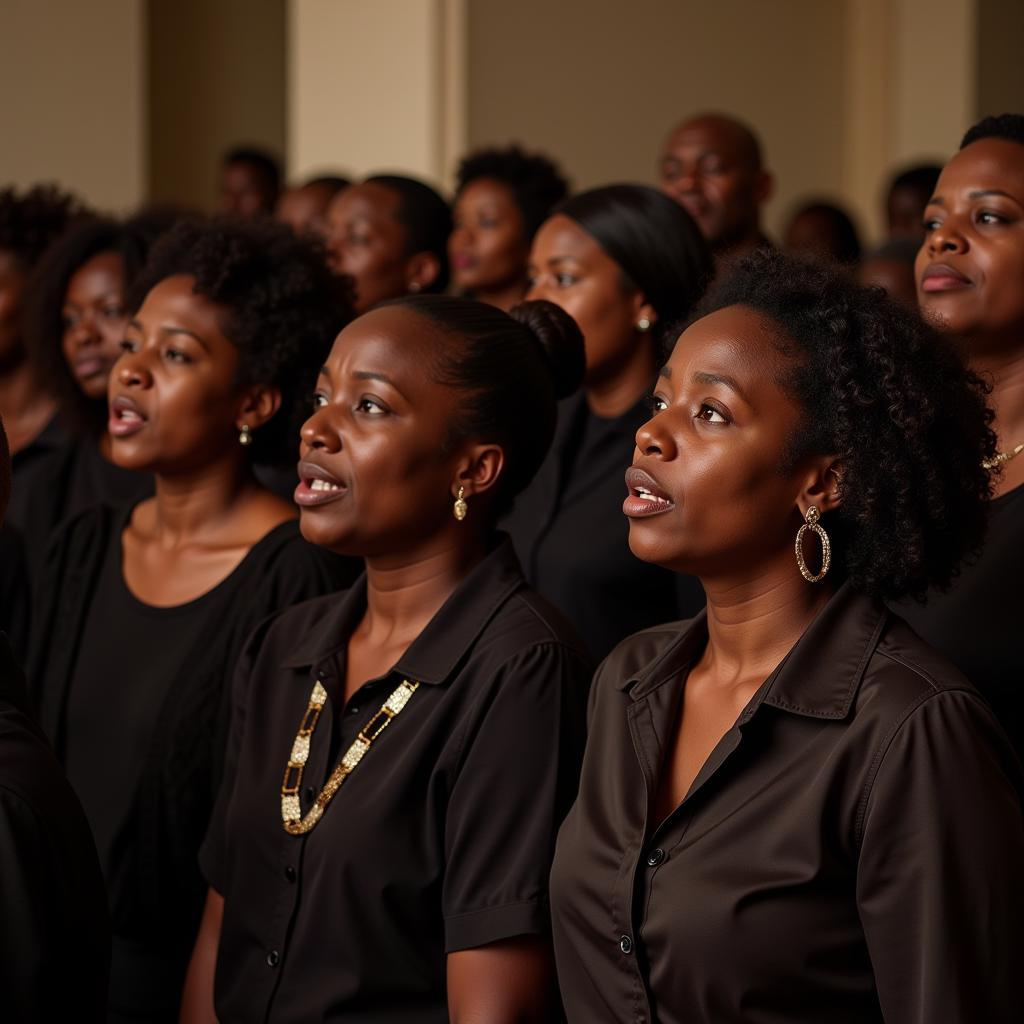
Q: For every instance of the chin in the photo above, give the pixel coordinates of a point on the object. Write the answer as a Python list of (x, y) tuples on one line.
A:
[(654, 546)]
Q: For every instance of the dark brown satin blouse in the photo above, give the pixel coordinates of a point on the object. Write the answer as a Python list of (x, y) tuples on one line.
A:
[(852, 850)]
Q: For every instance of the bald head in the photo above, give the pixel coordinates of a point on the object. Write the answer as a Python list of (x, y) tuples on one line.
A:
[(712, 166)]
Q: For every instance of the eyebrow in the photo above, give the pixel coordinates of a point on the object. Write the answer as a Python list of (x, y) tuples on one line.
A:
[(371, 375), (981, 193), (703, 377), (173, 332)]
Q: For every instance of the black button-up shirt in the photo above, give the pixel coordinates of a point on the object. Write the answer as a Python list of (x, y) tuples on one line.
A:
[(852, 850), (442, 837)]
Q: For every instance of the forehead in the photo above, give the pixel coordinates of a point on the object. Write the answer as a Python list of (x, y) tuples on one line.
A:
[(706, 136), (368, 200), (486, 190), (391, 339), (738, 342), (104, 264), (561, 236), (986, 164), (173, 298)]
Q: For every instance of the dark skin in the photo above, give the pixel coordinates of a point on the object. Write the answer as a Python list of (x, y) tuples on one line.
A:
[(969, 273), (904, 209), (176, 412), (245, 191), (569, 268), (896, 277), (304, 208), (488, 247), (715, 449), (710, 166), (366, 240), (813, 233), (25, 403), (375, 443)]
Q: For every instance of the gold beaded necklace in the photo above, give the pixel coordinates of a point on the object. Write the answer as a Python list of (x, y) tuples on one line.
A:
[(1001, 458), (291, 812)]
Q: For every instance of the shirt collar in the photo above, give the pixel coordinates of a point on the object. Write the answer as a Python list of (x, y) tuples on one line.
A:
[(818, 678), (434, 654)]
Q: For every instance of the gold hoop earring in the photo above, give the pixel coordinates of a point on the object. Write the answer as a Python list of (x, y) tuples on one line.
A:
[(460, 508), (245, 436), (812, 516)]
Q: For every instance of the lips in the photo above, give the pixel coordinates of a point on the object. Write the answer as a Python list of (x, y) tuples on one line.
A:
[(941, 277), (317, 486), (463, 261), (126, 417), (646, 497), (90, 366)]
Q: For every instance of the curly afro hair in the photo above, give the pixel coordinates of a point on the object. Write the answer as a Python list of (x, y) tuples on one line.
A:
[(282, 307), (1000, 126), (536, 183), (890, 396), (44, 323), (30, 222)]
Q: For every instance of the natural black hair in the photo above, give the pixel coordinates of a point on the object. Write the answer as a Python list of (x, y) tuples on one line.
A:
[(426, 218), (655, 242), (889, 396), (998, 126), (513, 368), (262, 160), (332, 181), (32, 220), (918, 178), (536, 184), (282, 307), (846, 248), (44, 319)]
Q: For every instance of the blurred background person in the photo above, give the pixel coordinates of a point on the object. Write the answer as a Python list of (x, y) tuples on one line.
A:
[(823, 230), (891, 268), (713, 166), (970, 280), (905, 200), (501, 199), (627, 263), (142, 609), (250, 180), (389, 233), (54, 926), (304, 207)]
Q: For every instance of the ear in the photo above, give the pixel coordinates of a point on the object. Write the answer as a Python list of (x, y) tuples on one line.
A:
[(479, 470), (421, 271), (765, 187), (822, 487), (257, 405), (643, 310)]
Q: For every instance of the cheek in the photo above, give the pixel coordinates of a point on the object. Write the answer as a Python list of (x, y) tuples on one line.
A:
[(605, 319)]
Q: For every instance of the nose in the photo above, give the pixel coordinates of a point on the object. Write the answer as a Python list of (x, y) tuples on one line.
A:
[(317, 434), (131, 372), (652, 439), (947, 237), (540, 288), (84, 331)]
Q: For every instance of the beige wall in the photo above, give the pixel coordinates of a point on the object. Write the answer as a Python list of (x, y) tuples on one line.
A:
[(598, 83), (73, 88), (217, 78), (999, 45), (374, 85)]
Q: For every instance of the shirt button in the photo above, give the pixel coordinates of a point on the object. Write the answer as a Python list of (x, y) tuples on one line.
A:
[(655, 857), (273, 958), (626, 944), (289, 873), (354, 710)]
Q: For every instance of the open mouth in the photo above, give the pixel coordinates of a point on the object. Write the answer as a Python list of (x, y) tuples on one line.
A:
[(125, 417), (316, 486), (645, 497)]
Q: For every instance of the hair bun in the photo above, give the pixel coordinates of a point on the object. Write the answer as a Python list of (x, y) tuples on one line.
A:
[(560, 341)]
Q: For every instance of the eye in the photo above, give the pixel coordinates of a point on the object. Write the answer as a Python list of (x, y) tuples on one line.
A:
[(564, 280), (69, 320), (656, 404), (175, 355), (127, 345), (931, 223), (709, 414), (319, 400), (988, 217), (113, 313), (371, 406)]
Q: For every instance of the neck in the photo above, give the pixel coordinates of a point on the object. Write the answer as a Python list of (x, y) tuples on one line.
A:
[(197, 502), (403, 594), (754, 623), (503, 296), (1005, 372), (619, 390), (26, 408)]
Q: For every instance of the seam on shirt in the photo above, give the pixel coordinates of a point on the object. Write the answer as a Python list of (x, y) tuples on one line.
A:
[(883, 749), (538, 900)]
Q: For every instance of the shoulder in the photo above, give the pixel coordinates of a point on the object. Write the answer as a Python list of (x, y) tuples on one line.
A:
[(284, 552)]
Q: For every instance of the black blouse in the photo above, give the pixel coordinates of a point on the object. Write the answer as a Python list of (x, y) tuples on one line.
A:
[(851, 851), (977, 623), (442, 837), (144, 690), (54, 933), (573, 539)]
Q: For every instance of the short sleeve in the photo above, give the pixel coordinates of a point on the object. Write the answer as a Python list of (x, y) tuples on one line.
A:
[(516, 779), (940, 883)]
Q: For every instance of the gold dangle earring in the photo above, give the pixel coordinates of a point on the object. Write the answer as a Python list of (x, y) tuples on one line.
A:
[(460, 508), (245, 436), (811, 523)]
